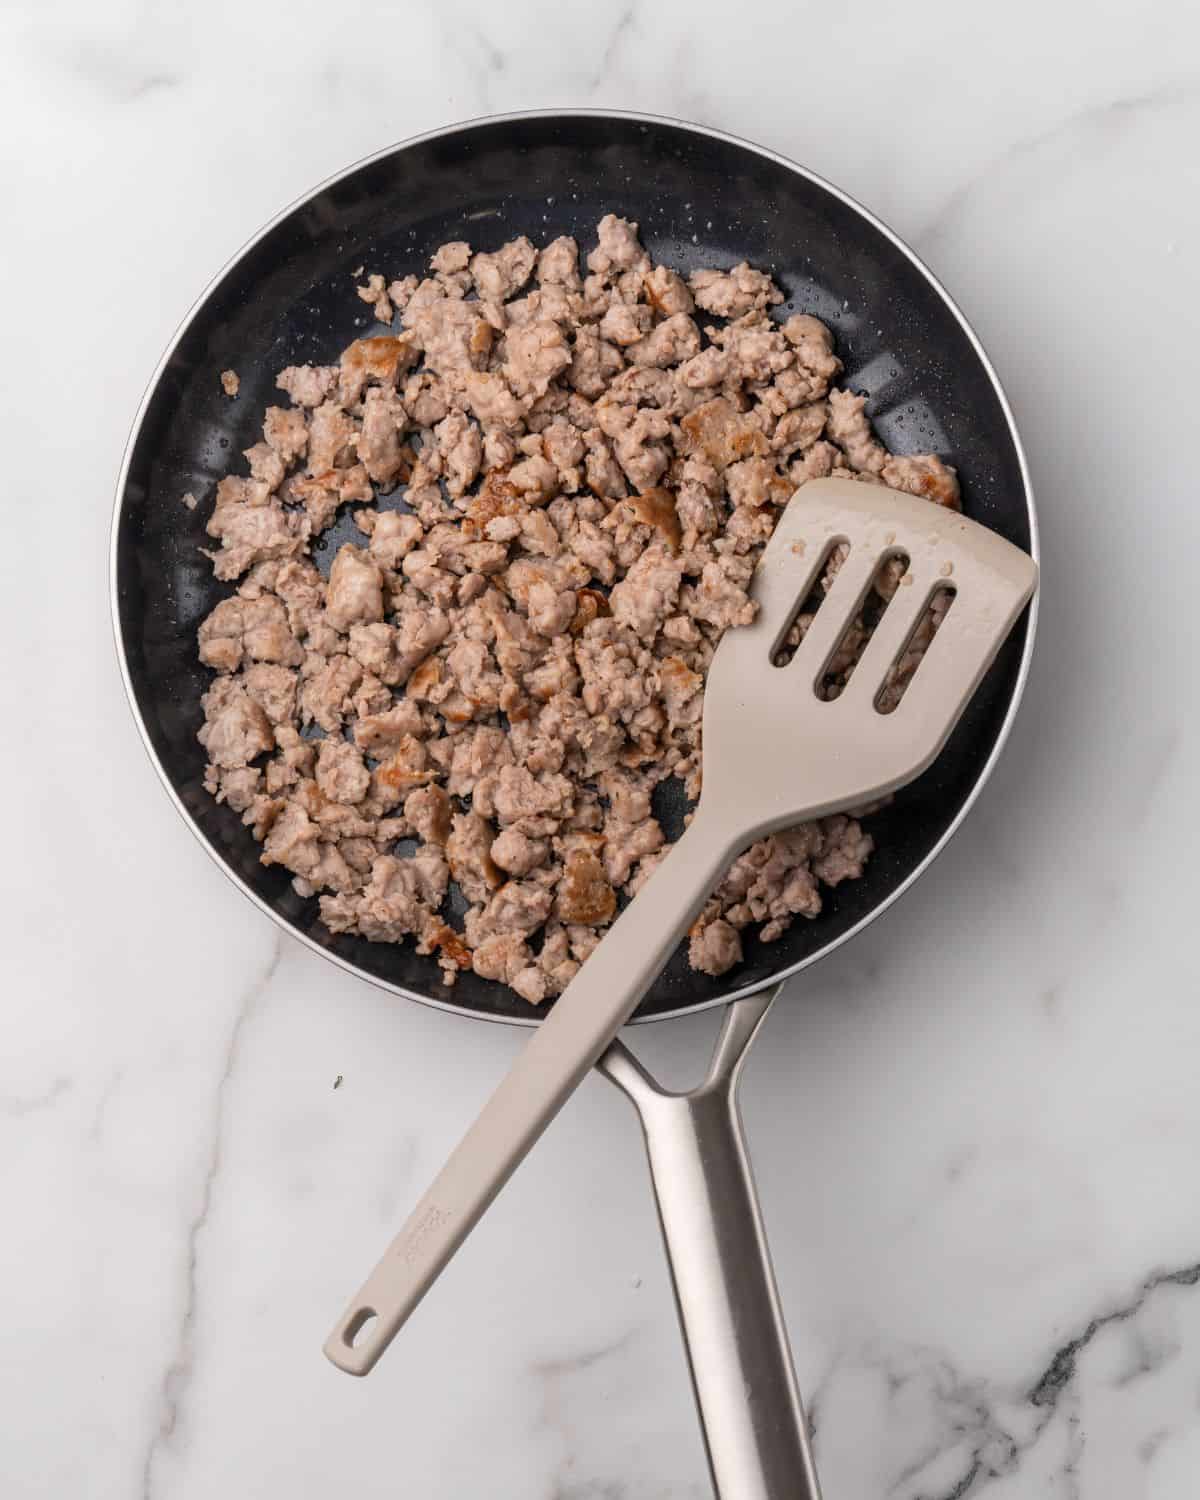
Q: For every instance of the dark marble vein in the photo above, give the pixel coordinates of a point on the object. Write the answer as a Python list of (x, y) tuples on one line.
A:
[(1059, 1373), (612, 47), (175, 1381), (550, 1370), (100, 1113), (550, 1375), (16, 1109), (1096, 121), (113, 71), (590, 1490), (1049, 1396), (1161, 756), (466, 43)]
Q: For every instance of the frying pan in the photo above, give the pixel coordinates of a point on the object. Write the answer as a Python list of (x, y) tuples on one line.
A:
[(701, 198)]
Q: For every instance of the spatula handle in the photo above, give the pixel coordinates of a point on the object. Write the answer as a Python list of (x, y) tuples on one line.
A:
[(584, 1020)]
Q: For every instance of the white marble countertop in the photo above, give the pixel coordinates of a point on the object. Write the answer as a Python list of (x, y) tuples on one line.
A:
[(976, 1128)]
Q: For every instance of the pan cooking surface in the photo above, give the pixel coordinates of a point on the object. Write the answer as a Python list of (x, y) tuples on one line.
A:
[(700, 200)]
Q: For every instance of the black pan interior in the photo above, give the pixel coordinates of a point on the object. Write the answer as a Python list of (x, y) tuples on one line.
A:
[(700, 200)]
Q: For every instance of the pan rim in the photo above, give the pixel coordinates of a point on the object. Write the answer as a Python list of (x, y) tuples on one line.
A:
[(640, 117)]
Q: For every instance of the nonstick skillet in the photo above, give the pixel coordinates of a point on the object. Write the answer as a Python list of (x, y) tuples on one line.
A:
[(701, 198)]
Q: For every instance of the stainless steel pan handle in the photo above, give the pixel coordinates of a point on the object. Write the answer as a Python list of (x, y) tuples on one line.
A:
[(737, 1346)]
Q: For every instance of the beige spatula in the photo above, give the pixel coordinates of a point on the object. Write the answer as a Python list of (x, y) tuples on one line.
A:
[(775, 754)]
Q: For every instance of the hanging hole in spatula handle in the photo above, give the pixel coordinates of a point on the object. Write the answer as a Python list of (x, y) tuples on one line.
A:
[(352, 1333)]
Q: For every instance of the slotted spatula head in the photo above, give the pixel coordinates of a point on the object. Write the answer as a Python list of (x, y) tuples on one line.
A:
[(777, 751)]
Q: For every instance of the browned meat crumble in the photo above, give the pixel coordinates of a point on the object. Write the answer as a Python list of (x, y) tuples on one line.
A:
[(231, 382), (580, 471)]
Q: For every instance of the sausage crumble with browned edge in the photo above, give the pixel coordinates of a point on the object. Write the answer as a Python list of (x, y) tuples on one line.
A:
[(581, 473)]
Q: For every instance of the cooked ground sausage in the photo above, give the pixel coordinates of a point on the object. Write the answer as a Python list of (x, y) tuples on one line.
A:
[(565, 483)]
